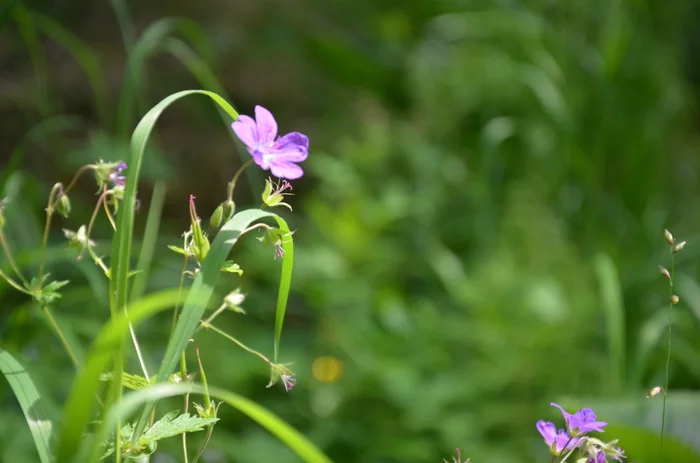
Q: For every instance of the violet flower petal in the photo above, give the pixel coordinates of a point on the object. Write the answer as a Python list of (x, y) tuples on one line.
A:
[(267, 126), (548, 431), (286, 170), (293, 147), (247, 131)]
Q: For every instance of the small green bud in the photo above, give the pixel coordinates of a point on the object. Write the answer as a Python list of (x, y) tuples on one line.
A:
[(63, 205), (675, 299), (679, 247), (234, 300), (216, 217), (654, 392), (665, 272), (229, 208), (669, 237)]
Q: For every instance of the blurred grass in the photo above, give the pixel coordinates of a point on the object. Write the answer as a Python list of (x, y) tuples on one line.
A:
[(479, 231)]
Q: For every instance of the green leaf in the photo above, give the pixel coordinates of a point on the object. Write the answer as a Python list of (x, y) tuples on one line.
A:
[(105, 350), (285, 285), (231, 267), (178, 250), (30, 401), (292, 438), (173, 424), (129, 381)]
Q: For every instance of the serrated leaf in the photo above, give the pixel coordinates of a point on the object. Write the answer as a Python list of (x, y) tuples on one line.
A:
[(173, 424), (231, 267)]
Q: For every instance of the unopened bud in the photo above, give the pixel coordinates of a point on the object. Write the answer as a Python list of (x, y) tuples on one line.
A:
[(675, 299), (664, 272), (679, 247), (233, 301), (229, 208), (669, 237), (216, 217), (654, 392), (63, 205)]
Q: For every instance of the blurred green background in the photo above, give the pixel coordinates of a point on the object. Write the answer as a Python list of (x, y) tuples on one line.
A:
[(478, 231)]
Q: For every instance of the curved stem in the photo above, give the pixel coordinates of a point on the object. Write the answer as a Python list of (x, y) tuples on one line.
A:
[(210, 430), (47, 227), (232, 184), (88, 232)]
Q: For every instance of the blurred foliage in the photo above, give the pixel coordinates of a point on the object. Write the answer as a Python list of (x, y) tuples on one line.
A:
[(479, 229)]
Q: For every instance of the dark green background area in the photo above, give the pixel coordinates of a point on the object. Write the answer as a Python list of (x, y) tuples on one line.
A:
[(479, 228)]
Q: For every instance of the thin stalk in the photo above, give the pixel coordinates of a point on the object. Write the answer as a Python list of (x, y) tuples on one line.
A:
[(137, 347), (210, 431), (47, 227), (668, 355), (236, 341), (61, 336), (232, 183), (88, 232), (184, 434), (14, 284), (49, 214), (10, 259)]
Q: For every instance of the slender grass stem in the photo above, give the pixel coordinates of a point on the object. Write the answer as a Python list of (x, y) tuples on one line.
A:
[(668, 355)]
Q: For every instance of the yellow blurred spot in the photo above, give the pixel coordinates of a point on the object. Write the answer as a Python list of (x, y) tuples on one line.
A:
[(327, 369)]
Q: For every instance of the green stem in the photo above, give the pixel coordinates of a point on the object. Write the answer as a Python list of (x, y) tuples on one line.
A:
[(668, 356), (232, 184), (210, 430), (184, 434), (47, 227), (208, 326), (10, 259), (14, 284), (61, 336)]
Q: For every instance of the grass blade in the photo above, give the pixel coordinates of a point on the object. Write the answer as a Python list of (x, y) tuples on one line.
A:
[(86, 58), (148, 44), (150, 238), (48, 126), (32, 405), (208, 80), (285, 285), (288, 435), (78, 409), (613, 308)]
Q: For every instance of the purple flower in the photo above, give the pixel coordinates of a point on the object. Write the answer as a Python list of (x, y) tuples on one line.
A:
[(600, 457), (115, 177), (558, 441), (279, 155), (581, 422), (289, 382)]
